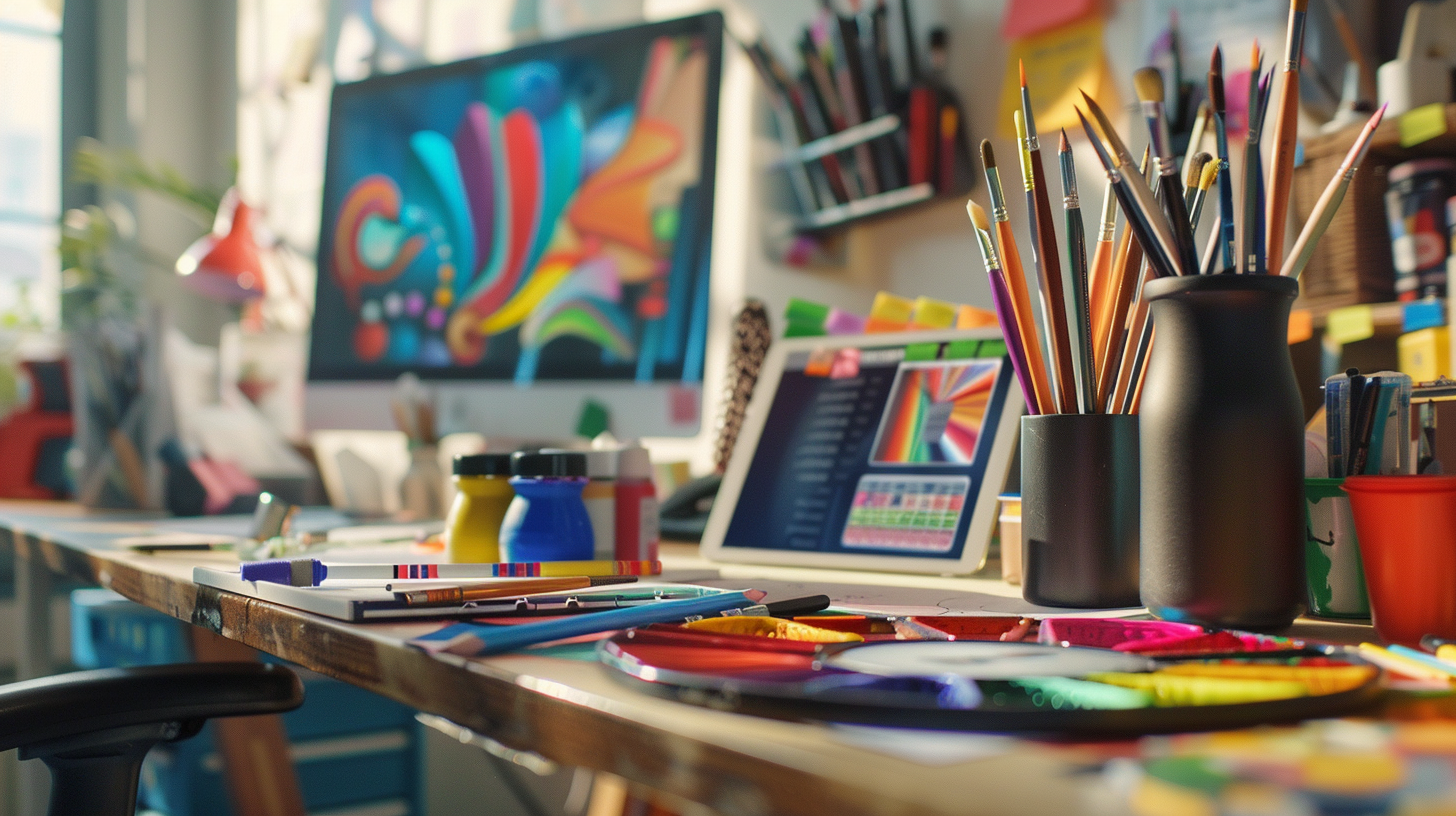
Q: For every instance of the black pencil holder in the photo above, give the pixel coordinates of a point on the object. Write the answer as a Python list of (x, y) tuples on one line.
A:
[(1222, 454), (1079, 510)]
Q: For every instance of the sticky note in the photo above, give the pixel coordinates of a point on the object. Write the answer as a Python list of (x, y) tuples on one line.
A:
[(1350, 324), (962, 349), (1058, 63), (1422, 124), (593, 420), (1301, 326), (921, 351)]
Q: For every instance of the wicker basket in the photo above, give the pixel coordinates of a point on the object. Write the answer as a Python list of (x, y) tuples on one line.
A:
[(1352, 262)]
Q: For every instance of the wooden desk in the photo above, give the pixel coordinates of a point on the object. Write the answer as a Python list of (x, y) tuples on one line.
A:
[(572, 712)]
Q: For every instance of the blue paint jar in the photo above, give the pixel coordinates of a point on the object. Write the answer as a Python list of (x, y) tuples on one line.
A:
[(547, 520)]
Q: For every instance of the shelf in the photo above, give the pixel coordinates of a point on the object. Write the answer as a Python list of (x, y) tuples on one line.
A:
[(878, 204), (843, 140)]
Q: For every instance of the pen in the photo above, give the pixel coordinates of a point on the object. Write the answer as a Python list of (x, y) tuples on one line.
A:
[(506, 588), (487, 640)]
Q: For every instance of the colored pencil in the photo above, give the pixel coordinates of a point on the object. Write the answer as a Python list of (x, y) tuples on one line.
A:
[(1225, 178), (1286, 127), (1076, 283), (1041, 393), (266, 570), (1001, 300), (1329, 201), (1127, 284), (1047, 257), (1100, 284)]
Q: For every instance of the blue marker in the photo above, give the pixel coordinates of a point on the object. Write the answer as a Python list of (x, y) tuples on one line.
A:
[(475, 640)]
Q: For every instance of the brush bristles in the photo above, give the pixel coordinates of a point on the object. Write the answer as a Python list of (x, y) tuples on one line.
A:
[(1021, 66), (1062, 146), (1215, 64), (1210, 172), (1299, 5), (978, 215), (1148, 82), (988, 156), (1215, 91), (1195, 169)]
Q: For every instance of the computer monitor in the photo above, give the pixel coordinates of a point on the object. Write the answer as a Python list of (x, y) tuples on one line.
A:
[(529, 230)]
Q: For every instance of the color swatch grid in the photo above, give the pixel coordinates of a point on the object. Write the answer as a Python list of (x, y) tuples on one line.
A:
[(914, 513)]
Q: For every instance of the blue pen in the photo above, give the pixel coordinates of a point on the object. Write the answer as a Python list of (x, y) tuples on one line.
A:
[(478, 640)]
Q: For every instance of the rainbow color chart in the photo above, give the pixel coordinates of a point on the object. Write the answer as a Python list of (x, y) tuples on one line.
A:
[(935, 412), (532, 219)]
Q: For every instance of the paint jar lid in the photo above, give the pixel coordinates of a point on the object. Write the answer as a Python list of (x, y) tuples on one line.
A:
[(600, 464), (482, 464), (634, 463), (535, 464)]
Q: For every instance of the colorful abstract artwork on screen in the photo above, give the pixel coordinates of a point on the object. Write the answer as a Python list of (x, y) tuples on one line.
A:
[(935, 413), (534, 221)]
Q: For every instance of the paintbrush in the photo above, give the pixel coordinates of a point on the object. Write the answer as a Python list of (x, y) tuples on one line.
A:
[(1138, 203), (1286, 127), (1208, 171), (1047, 257), (1329, 201), (1127, 274), (1148, 82), (1050, 348), (1040, 395), (1195, 136), (1250, 256), (1225, 178), (1079, 317), (1193, 171), (1100, 284), (1011, 328)]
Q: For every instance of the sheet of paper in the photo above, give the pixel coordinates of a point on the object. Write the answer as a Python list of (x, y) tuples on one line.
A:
[(1059, 63)]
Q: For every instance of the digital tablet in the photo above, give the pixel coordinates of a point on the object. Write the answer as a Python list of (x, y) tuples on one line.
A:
[(877, 452)]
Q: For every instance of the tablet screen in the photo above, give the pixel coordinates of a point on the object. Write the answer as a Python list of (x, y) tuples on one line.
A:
[(874, 450)]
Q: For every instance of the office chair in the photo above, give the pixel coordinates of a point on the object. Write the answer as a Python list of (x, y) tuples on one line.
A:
[(93, 728)]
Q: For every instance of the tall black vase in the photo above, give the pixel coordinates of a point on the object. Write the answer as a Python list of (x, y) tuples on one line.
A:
[(1222, 454)]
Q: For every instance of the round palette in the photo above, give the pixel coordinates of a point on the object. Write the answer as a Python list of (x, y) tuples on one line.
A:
[(986, 686)]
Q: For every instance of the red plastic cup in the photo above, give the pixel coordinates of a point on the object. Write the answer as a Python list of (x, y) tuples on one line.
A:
[(1407, 531)]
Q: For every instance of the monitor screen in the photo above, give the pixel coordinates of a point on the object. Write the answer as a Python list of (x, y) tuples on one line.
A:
[(537, 216)]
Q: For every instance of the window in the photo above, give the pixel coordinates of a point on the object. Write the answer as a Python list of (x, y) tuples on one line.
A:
[(30, 160)]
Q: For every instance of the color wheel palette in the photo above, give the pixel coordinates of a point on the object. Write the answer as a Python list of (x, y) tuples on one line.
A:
[(935, 413), (985, 686)]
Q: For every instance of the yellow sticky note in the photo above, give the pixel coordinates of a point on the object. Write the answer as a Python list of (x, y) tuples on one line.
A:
[(1058, 63), (1350, 324), (1422, 124)]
